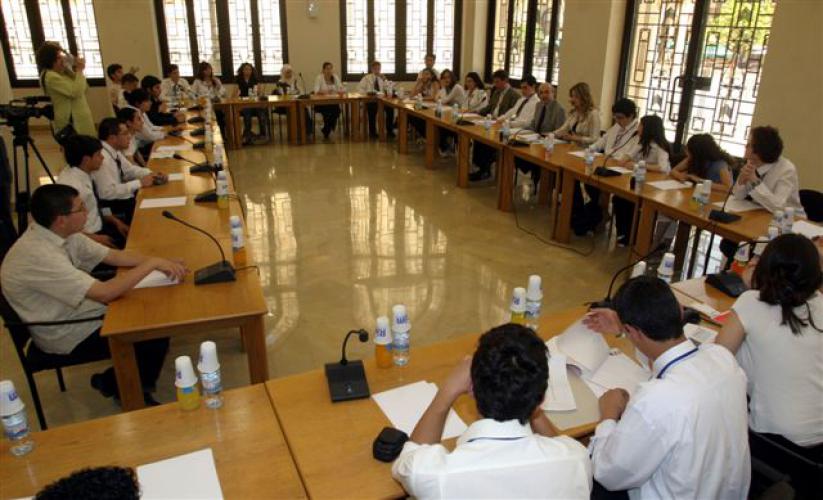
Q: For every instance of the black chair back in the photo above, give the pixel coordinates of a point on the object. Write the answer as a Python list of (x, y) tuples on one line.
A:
[(19, 334), (812, 202)]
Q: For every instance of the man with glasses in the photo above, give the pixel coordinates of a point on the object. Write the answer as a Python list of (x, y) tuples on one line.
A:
[(45, 277)]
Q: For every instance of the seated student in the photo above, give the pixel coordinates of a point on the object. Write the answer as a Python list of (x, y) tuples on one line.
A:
[(652, 148), (375, 82), (503, 98), (209, 86), (173, 87), (428, 61), (84, 157), (117, 180), (476, 96), (45, 278), (111, 482), (328, 83), (159, 113), (115, 73), (133, 120), (776, 332), (705, 160), (683, 433), (549, 115), (451, 93), (511, 452), (426, 87), (129, 83), (621, 137), (287, 84), (247, 85), (148, 133)]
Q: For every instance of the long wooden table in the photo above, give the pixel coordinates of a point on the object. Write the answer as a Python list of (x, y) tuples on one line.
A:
[(250, 453), (233, 109), (184, 309)]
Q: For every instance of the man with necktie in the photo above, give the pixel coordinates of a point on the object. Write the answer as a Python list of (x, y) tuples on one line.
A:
[(549, 115)]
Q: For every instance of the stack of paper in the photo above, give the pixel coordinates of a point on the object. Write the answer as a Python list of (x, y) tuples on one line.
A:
[(738, 206), (621, 170), (582, 153), (559, 395), (807, 229), (193, 475), (668, 185), (698, 334), (176, 147), (405, 405), (158, 154), (156, 278), (175, 177)]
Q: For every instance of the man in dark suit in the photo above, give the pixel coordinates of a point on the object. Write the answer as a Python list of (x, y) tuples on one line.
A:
[(503, 98), (548, 117)]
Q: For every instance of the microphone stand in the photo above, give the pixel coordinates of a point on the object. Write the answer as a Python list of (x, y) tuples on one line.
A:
[(198, 168), (607, 301), (219, 272), (347, 379)]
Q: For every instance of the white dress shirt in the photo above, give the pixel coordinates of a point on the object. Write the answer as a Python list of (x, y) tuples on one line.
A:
[(454, 96), (522, 114), (115, 182), (167, 88), (776, 188), (618, 141), (785, 370), (366, 83), (476, 100), (322, 86), (81, 181), (46, 278), (496, 460), (656, 156), (213, 89), (684, 432)]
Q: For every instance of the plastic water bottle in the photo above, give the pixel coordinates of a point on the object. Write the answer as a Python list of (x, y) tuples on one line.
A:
[(15, 420), (382, 343), (188, 395), (548, 144), (438, 110), (666, 269), (788, 220), (517, 308), (487, 123), (639, 269), (588, 157), (741, 259), (506, 131), (209, 368), (777, 219), (222, 190), (534, 301), (238, 247), (218, 156), (418, 104), (455, 113), (639, 176), (705, 196), (401, 334)]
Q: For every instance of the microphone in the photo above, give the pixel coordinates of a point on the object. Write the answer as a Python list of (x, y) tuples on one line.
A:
[(607, 301), (602, 170), (195, 145), (721, 215), (305, 94), (347, 379), (219, 272), (198, 168)]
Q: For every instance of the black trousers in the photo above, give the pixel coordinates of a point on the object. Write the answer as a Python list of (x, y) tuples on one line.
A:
[(418, 124), (109, 230), (585, 216), (371, 111), (330, 112), (221, 121), (483, 156), (122, 209), (623, 212), (250, 113), (150, 357), (728, 248)]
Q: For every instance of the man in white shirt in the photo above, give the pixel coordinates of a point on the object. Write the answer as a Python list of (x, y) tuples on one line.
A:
[(522, 114), (117, 180), (622, 136), (84, 157), (375, 82), (45, 277), (684, 433), (173, 87), (511, 452)]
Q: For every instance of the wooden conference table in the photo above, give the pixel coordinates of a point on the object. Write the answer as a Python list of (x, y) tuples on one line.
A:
[(148, 313)]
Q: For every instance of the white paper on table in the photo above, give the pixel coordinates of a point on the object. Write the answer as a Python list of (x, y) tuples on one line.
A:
[(582, 154), (807, 229), (699, 334), (192, 475), (157, 154), (738, 206), (176, 147), (559, 395), (471, 116), (530, 138), (618, 370), (155, 279), (583, 346), (621, 170), (174, 201), (596, 388), (175, 177), (405, 405), (668, 185), (704, 309), (429, 105)]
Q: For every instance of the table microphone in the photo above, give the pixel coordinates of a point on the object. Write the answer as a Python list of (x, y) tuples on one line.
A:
[(607, 301), (219, 272), (347, 379), (305, 94), (198, 168), (721, 215)]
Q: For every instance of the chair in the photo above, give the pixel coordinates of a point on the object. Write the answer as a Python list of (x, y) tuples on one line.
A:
[(812, 202), (804, 467)]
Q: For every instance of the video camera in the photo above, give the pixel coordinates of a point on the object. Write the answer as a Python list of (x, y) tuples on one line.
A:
[(20, 110)]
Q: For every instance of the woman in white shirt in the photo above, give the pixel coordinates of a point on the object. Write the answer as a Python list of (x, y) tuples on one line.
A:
[(426, 85), (328, 83), (287, 84), (207, 85), (451, 93), (476, 96), (776, 332)]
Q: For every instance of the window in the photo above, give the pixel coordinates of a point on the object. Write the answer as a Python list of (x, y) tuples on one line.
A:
[(697, 84), (399, 34), (27, 24), (523, 38), (224, 33)]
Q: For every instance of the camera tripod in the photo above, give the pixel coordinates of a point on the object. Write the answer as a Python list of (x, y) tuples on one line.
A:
[(22, 194)]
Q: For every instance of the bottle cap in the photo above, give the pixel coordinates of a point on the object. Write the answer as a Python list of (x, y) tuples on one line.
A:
[(789, 212), (184, 372), (535, 288), (667, 264), (400, 319), (221, 175), (518, 300), (639, 269), (208, 362), (10, 402), (382, 333)]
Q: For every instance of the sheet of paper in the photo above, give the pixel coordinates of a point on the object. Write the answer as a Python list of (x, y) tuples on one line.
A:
[(157, 154), (175, 177), (155, 279), (472, 116), (582, 154), (738, 206), (193, 475), (618, 370), (583, 346), (529, 137), (807, 229), (559, 395), (668, 185), (699, 334), (596, 388), (176, 147), (404, 406), (174, 201), (704, 309), (621, 170)]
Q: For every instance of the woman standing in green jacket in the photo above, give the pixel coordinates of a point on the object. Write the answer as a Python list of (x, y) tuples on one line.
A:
[(67, 89)]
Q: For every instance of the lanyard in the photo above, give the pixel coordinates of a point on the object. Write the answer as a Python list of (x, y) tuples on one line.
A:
[(495, 439), (675, 361)]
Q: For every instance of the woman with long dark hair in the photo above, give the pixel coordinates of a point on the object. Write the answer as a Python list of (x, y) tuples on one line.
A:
[(247, 86), (705, 160), (209, 86), (476, 96)]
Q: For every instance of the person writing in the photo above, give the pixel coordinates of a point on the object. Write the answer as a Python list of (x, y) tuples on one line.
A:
[(66, 86), (45, 277), (705, 160), (133, 120), (511, 451), (327, 83)]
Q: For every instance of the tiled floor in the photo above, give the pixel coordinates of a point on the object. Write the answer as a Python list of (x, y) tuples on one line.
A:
[(341, 232)]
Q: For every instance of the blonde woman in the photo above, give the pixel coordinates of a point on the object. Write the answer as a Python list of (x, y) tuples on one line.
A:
[(582, 126)]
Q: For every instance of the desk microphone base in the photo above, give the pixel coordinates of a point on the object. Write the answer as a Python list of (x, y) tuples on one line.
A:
[(219, 272), (347, 382)]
